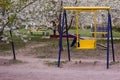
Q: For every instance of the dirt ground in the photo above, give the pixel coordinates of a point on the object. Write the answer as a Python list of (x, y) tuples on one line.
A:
[(32, 68)]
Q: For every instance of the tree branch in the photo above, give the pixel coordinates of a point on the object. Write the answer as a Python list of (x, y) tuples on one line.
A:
[(26, 6)]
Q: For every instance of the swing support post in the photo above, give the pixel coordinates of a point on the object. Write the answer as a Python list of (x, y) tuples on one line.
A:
[(109, 36), (64, 20)]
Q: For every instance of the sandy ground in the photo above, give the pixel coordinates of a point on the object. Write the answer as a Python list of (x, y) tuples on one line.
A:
[(35, 69)]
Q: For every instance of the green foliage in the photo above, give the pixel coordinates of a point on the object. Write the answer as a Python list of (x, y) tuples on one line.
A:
[(24, 0), (5, 4), (6, 1), (116, 28), (12, 18)]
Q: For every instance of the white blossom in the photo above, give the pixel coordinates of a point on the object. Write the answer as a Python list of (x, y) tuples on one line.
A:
[(25, 40), (4, 38)]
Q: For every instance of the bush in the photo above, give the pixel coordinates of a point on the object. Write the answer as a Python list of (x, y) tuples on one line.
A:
[(116, 28)]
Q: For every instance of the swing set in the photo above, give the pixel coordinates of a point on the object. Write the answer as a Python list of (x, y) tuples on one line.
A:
[(87, 43)]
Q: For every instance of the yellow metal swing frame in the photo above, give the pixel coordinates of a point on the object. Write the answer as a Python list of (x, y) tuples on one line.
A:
[(88, 43)]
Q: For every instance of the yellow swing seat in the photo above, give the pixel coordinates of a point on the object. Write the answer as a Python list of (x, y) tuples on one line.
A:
[(87, 44)]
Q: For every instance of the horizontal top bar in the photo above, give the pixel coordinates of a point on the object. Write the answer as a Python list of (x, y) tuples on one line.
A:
[(86, 8)]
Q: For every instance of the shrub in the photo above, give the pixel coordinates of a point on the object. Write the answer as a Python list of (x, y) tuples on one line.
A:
[(116, 28)]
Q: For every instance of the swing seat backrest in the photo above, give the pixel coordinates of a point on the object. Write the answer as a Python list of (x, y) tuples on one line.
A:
[(99, 29)]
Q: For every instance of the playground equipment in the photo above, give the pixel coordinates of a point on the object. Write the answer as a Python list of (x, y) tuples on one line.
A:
[(87, 43)]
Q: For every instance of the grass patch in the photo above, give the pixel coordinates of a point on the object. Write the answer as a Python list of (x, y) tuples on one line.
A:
[(116, 62), (95, 62), (44, 56), (18, 43), (54, 63), (78, 62), (15, 61), (52, 44), (86, 32), (4, 46), (12, 61)]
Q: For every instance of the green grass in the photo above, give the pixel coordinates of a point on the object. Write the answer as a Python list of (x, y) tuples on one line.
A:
[(86, 32), (18, 43), (52, 43), (116, 34)]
